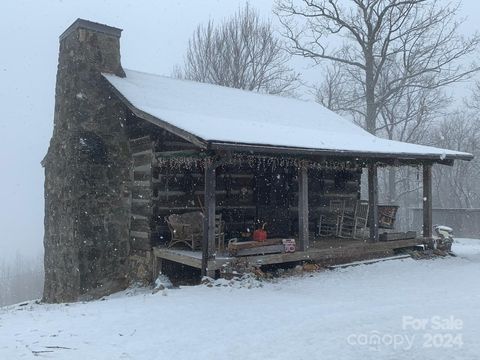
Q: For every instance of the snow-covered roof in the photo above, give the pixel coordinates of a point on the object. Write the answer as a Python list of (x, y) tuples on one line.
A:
[(224, 116)]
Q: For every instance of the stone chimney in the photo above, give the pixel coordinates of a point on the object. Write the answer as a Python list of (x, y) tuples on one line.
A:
[(87, 170), (93, 41)]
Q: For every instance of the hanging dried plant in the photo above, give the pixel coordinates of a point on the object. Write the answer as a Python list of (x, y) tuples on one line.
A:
[(256, 162)]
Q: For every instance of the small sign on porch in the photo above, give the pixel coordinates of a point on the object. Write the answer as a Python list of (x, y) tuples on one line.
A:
[(289, 245)]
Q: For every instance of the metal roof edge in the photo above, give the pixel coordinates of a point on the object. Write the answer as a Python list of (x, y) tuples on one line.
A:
[(222, 145)]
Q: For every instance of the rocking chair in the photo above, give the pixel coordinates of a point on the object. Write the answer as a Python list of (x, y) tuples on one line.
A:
[(351, 224), (329, 224), (186, 229)]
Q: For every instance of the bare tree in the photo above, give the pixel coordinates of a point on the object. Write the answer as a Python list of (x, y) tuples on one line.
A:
[(242, 52), (385, 46), (407, 116), (338, 91), (457, 186)]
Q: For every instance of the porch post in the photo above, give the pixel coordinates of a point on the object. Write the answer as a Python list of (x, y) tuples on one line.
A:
[(427, 201), (208, 243), (373, 201), (303, 207)]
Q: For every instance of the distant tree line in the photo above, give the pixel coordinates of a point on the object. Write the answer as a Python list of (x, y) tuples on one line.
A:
[(21, 279)]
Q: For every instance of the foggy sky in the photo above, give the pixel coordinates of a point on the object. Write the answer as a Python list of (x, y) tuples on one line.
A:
[(154, 40)]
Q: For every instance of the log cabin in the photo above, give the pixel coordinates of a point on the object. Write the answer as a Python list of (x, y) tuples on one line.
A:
[(130, 149)]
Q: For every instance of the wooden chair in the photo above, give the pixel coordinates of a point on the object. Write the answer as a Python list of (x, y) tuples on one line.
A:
[(329, 223), (186, 229), (351, 224), (386, 216)]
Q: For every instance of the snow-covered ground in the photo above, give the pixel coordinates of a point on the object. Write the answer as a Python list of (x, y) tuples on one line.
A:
[(402, 309)]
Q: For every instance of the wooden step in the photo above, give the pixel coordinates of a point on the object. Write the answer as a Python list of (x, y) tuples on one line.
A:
[(393, 236), (235, 246)]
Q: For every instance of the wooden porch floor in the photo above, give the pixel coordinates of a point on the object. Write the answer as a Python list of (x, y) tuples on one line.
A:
[(325, 251)]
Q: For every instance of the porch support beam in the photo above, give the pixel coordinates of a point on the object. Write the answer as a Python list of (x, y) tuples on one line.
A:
[(303, 207), (373, 201), (208, 243), (427, 201)]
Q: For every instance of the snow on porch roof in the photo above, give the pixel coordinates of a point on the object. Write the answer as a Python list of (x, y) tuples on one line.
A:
[(226, 117)]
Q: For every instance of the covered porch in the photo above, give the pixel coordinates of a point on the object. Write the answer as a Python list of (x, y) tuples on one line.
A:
[(310, 246), (325, 251)]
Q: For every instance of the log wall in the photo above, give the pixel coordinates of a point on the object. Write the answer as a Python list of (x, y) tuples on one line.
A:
[(244, 193)]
